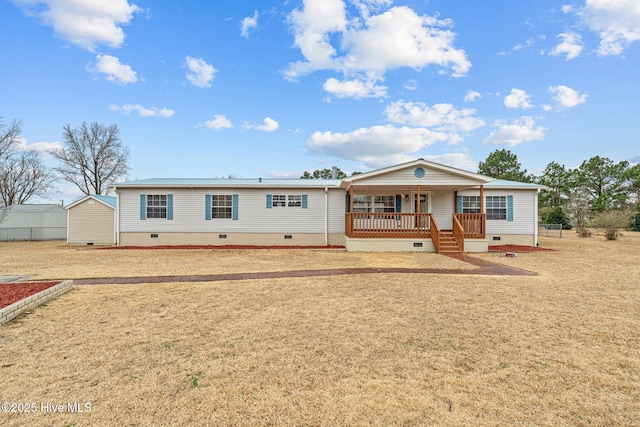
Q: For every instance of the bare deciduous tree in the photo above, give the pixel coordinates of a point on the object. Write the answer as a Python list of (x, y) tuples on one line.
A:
[(22, 176), (92, 157), (22, 173)]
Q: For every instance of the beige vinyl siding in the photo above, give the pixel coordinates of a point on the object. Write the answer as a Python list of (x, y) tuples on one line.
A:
[(442, 208), (407, 176), (91, 222), (253, 215), (524, 212)]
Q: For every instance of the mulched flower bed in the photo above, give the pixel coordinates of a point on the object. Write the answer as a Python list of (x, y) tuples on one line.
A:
[(13, 292), (220, 247), (518, 248)]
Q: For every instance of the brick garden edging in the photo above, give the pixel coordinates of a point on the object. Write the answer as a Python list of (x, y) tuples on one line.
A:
[(11, 311)]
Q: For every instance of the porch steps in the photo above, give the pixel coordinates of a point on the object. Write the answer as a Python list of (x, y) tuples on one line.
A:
[(448, 244)]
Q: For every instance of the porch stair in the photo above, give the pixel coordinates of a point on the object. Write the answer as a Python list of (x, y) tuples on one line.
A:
[(448, 244)]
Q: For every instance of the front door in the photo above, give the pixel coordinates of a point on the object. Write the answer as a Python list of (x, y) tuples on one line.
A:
[(422, 221)]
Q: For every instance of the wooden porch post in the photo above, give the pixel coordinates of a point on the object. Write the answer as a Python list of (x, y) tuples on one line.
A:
[(482, 199), (418, 196), (351, 199)]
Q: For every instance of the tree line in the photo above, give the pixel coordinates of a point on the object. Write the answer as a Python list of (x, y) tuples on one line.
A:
[(599, 191), (92, 157)]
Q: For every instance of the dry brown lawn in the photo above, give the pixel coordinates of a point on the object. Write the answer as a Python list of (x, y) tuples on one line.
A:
[(558, 349)]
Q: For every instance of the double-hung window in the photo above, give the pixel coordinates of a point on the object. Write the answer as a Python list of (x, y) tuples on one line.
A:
[(496, 207), (362, 203), (470, 204), (384, 203), (294, 200), (156, 206), (221, 206), (279, 201), (374, 203)]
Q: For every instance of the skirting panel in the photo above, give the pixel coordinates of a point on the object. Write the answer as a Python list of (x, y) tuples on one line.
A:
[(223, 239), (511, 239), (390, 245)]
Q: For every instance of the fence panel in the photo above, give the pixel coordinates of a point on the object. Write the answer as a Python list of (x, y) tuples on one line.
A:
[(32, 234), (550, 230)]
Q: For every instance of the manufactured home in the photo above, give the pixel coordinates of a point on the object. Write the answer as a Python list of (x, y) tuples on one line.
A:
[(415, 206)]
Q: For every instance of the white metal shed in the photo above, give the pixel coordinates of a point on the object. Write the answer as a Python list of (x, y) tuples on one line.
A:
[(33, 222)]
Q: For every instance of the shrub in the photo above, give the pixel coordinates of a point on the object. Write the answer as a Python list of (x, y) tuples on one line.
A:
[(558, 216), (635, 218), (612, 221)]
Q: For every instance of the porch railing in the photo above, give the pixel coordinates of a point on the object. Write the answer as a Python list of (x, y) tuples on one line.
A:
[(458, 233), (435, 235), (474, 225), (387, 225)]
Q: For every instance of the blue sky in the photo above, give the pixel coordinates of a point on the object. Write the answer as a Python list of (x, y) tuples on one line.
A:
[(274, 88)]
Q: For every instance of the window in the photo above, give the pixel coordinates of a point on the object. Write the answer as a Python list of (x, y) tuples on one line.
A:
[(294, 201), (221, 206), (279, 201), (471, 204), (374, 203), (385, 203), (156, 206), (361, 203), (496, 207)]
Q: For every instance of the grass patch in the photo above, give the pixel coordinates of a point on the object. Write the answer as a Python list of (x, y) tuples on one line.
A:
[(559, 348)]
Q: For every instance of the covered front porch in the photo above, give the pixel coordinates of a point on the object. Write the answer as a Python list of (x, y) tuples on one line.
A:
[(423, 214)]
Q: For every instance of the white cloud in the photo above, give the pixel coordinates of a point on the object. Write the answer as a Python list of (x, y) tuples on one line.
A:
[(518, 131), (571, 46), (518, 47), (86, 23), (114, 70), (440, 117), (518, 98), (411, 85), (617, 22), (200, 73), (354, 88), (471, 96), (374, 144), (566, 96), (286, 174), (269, 125), (42, 148), (248, 23), (143, 111), (367, 46), (218, 122)]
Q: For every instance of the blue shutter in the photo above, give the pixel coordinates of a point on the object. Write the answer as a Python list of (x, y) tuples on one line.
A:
[(234, 207), (459, 204), (398, 203), (509, 208), (269, 201), (169, 206), (143, 207), (207, 207), (304, 201)]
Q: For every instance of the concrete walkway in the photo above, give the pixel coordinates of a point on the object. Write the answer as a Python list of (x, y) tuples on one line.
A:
[(485, 268)]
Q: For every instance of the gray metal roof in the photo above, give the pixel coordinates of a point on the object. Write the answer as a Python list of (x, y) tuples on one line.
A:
[(229, 182), (32, 208), (503, 183)]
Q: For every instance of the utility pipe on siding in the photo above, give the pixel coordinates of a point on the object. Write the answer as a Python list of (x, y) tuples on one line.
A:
[(326, 216), (116, 232)]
